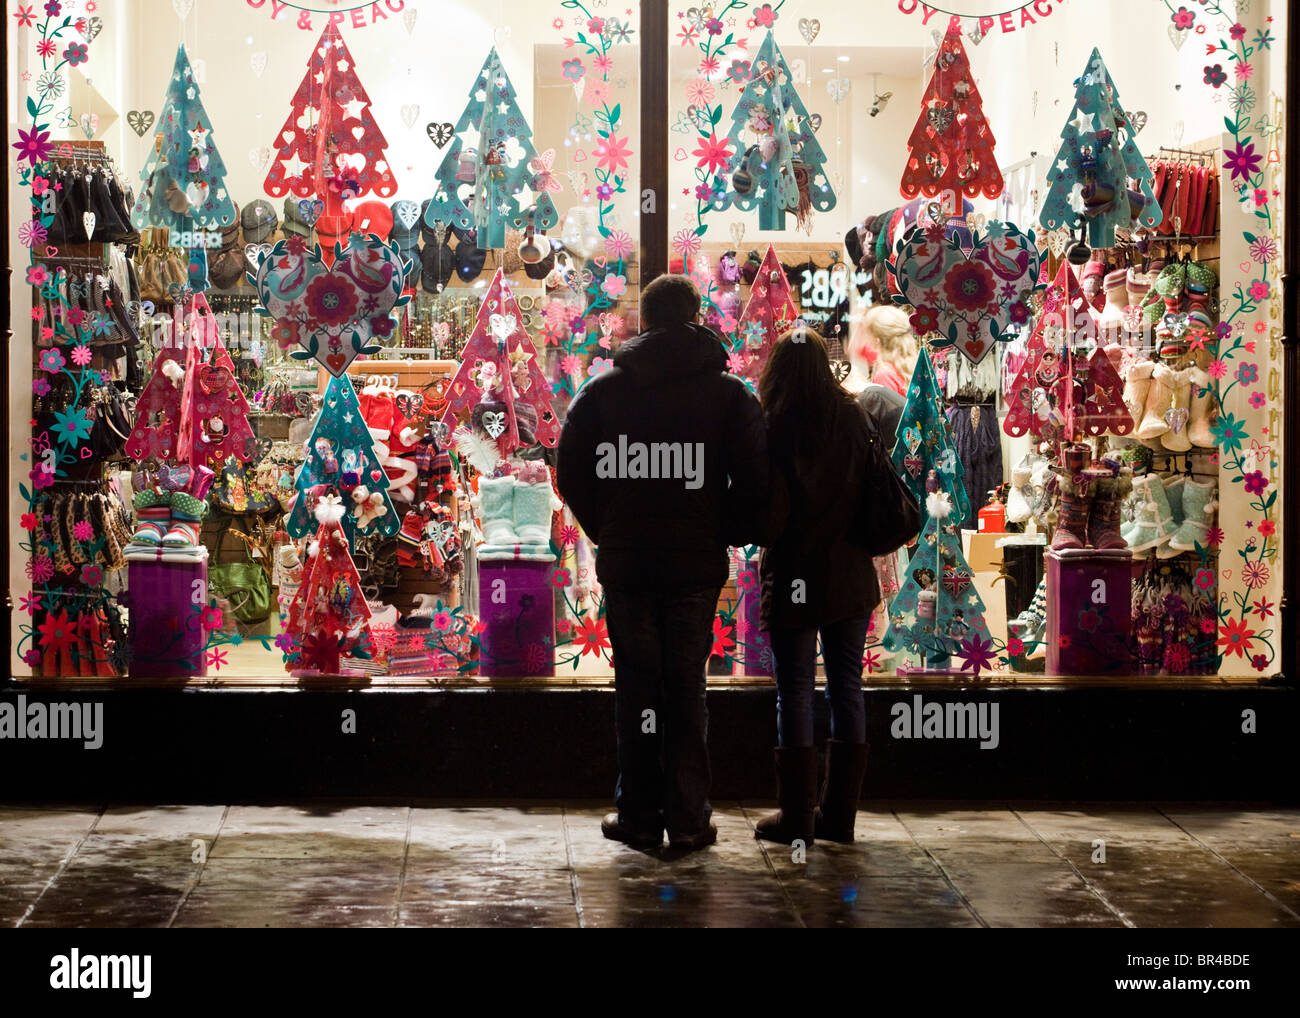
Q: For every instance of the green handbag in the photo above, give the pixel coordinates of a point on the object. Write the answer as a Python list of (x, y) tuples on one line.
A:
[(246, 585)]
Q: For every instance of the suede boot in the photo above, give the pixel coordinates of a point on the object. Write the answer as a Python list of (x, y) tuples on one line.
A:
[(846, 765), (796, 794), (1159, 399), (497, 510)]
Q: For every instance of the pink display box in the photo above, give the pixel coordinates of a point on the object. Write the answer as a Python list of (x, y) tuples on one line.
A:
[(166, 637), (1089, 612), (754, 645), (517, 609)]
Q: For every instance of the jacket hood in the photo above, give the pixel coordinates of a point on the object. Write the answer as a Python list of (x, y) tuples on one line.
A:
[(674, 352)]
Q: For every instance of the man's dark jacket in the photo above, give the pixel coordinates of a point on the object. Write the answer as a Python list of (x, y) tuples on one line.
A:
[(666, 386)]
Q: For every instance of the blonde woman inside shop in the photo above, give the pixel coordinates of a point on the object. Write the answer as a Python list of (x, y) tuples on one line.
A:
[(881, 343)]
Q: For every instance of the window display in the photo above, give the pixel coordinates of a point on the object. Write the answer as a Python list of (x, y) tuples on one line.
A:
[(307, 311)]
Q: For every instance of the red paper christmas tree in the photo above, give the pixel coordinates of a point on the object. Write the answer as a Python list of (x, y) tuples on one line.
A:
[(328, 617), (192, 409), (330, 146), (768, 313), (951, 146), (500, 358), (1062, 393)]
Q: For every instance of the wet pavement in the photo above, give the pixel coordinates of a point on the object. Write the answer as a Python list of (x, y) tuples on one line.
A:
[(330, 864)]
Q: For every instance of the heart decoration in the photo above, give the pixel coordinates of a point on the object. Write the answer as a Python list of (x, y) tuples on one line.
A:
[(1057, 241), (939, 118), (679, 155), (256, 252), (311, 209), (913, 464), (89, 124), (139, 121), (213, 380), (409, 404), (440, 134), (92, 28), (408, 214), (409, 114), (408, 19), (1178, 36), (494, 423), (1137, 121), (808, 28), (1176, 418), (257, 60), (838, 89), (260, 158), (182, 8), (958, 292), (335, 313), (815, 121), (955, 580), (88, 221)]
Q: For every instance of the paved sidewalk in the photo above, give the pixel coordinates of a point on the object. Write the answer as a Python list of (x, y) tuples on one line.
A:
[(328, 864)]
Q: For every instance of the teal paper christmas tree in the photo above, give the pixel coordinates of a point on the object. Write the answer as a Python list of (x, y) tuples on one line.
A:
[(937, 613), (773, 158), (341, 453), (485, 181), (924, 455), (1098, 156), (185, 155)]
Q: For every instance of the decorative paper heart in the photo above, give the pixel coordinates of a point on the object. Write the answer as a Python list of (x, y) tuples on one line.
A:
[(494, 423), (88, 221), (1178, 36), (959, 293), (1137, 121), (913, 464), (408, 214), (441, 133), (814, 121), (92, 28), (260, 158), (737, 233), (256, 252), (408, 19), (214, 380), (939, 117), (410, 404), (139, 121), (1056, 242), (1176, 418), (955, 580), (333, 314), (182, 8), (311, 209), (410, 112), (257, 60), (808, 28), (502, 326), (838, 89)]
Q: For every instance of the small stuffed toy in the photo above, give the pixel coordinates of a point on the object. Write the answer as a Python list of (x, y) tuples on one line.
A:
[(369, 505), (174, 372)]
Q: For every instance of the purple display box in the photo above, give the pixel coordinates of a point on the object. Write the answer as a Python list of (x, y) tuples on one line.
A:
[(755, 645), (165, 634), (1089, 612), (516, 605)]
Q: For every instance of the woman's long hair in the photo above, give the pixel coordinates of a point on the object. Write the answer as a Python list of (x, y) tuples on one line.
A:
[(801, 399)]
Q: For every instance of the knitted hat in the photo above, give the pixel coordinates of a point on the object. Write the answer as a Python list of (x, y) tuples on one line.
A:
[(1138, 283), (334, 229), (258, 220), (373, 217), (1113, 280)]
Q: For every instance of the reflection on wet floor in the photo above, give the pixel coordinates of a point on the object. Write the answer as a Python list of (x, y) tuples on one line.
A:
[(329, 864)]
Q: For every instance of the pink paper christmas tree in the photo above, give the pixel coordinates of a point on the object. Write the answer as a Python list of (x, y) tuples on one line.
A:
[(500, 357), (769, 312)]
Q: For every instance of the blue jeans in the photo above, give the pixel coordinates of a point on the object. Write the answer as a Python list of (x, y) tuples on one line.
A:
[(795, 651), (661, 643)]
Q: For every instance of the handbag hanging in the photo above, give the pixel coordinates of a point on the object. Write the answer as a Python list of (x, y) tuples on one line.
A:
[(245, 585)]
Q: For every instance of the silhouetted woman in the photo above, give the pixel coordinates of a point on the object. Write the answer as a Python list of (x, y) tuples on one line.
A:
[(815, 580)]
